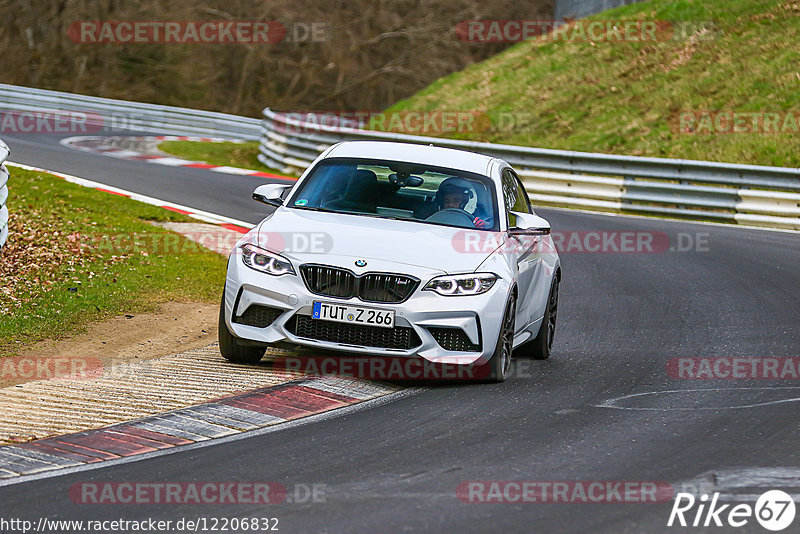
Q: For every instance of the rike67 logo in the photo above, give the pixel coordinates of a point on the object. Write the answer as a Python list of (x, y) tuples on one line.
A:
[(774, 510)]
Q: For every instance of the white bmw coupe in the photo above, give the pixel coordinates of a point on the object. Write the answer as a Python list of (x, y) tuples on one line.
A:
[(394, 249)]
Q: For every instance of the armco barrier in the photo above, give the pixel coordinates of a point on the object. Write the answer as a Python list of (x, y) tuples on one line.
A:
[(116, 115), (725, 192), (4, 152)]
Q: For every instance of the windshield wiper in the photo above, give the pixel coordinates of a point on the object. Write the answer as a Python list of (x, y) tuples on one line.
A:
[(312, 208), (349, 212)]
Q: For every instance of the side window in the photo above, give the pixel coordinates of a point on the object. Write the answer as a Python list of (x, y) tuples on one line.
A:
[(508, 196), (514, 196), (524, 194)]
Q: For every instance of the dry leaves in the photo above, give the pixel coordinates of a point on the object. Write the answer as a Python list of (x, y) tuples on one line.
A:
[(41, 253)]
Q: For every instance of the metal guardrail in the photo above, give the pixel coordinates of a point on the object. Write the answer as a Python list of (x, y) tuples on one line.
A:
[(106, 115), (725, 192), (4, 152), (747, 194)]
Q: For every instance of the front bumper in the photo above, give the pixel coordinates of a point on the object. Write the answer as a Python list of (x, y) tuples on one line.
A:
[(479, 316)]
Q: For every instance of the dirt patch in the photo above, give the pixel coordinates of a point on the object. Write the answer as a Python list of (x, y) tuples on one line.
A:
[(686, 53), (175, 327)]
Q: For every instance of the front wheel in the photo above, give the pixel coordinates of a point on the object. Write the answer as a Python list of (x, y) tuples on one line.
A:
[(500, 362), (540, 347), (229, 345)]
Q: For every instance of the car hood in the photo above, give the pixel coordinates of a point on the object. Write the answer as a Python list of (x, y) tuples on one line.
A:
[(390, 245)]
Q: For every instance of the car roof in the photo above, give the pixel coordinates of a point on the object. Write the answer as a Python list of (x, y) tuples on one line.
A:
[(413, 153)]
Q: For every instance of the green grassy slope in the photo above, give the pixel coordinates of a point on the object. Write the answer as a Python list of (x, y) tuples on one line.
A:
[(626, 97)]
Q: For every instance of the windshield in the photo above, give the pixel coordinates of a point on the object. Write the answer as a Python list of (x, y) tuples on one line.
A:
[(399, 190)]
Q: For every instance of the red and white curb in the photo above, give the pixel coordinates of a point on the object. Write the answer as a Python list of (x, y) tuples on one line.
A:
[(213, 218), (251, 411), (101, 145)]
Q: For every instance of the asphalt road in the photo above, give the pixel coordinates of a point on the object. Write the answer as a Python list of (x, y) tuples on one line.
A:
[(623, 316), (225, 194)]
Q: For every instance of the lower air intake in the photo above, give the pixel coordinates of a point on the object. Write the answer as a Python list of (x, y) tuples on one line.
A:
[(399, 337), (258, 316), (454, 339)]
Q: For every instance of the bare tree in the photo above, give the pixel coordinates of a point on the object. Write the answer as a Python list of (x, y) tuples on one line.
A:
[(374, 52)]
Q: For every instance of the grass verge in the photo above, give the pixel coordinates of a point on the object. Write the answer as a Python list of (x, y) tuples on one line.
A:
[(77, 255), (242, 155), (627, 97)]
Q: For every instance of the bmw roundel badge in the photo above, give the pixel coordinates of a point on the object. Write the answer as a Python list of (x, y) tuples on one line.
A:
[(361, 263)]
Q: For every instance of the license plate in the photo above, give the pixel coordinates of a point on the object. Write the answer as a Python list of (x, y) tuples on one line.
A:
[(342, 313)]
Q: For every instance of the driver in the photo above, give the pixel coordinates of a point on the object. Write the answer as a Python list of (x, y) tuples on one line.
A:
[(454, 193)]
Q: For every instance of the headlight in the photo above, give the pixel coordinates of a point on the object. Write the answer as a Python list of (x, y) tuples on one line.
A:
[(462, 284), (266, 262)]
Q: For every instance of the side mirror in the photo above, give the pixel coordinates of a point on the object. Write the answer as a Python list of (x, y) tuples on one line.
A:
[(270, 194), (529, 224)]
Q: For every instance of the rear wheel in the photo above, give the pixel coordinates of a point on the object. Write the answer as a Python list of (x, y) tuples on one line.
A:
[(229, 345), (540, 347)]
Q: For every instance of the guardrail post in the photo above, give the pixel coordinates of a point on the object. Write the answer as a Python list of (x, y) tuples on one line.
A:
[(4, 152)]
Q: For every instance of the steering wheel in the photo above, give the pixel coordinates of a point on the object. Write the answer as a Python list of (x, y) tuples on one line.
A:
[(452, 216)]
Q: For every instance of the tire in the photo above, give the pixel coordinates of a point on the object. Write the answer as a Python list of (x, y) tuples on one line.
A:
[(229, 345), (541, 346), (500, 362)]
